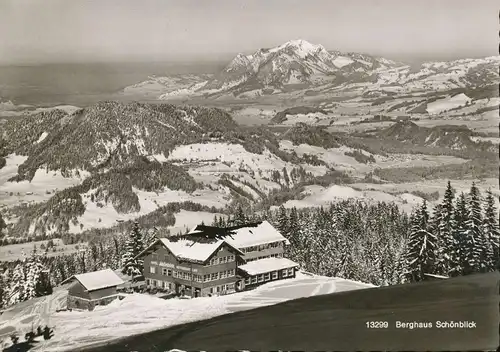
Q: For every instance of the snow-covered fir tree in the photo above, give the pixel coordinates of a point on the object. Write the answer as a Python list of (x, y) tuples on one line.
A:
[(461, 215), (448, 257), (240, 217), (131, 264), (15, 291), (422, 247), (34, 281), (283, 221), (475, 255), (491, 231)]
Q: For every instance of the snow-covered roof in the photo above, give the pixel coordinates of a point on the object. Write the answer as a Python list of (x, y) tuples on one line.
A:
[(187, 249), (267, 265), (97, 279), (253, 236), (193, 250)]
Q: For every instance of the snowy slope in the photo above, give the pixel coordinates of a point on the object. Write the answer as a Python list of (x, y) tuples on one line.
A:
[(139, 313)]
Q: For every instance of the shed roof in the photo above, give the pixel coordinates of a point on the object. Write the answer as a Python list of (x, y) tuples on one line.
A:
[(97, 280)]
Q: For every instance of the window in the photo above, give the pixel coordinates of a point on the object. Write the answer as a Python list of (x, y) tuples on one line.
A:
[(152, 270), (247, 281), (214, 276), (169, 272), (218, 288), (147, 282), (211, 290), (284, 273), (206, 278), (213, 261), (223, 274), (154, 282), (164, 271), (175, 273), (230, 273), (267, 276), (290, 272), (274, 275), (261, 278), (254, 279), (230, 287)]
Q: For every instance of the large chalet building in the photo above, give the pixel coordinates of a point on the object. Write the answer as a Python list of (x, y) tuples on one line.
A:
[(212, 261)]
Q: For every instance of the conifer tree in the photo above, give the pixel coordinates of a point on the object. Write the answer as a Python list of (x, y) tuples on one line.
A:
[(461, 249), (15, 292), (448, 258), (134, 245), (421, 252), (292, 228), (475, 254), (491, 232), (240, 218), (33, 284), (282, 221)]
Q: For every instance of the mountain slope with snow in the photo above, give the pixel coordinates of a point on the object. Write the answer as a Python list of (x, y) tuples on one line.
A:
[(294, 64)]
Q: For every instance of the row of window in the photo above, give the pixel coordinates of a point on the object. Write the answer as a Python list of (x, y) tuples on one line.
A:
[(262, 247), (228, 288), (197, 278), (219, 275), (222, 260), (159, 283), (268, 276), (214, 261), (277, 255)]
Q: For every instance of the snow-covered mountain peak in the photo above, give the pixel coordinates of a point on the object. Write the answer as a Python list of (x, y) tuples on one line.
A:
[(301, 47), (239, 62)]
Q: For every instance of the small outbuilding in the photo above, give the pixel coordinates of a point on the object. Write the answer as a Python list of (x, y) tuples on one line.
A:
[(88, 290)]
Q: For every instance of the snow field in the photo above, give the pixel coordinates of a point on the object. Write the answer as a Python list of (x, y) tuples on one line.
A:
[(448, 103), (139, 313)]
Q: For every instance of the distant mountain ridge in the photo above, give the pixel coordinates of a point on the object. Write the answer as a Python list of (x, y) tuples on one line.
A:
[(296, 63)]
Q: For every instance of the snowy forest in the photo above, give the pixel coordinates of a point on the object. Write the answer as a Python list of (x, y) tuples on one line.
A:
[(352, 239)]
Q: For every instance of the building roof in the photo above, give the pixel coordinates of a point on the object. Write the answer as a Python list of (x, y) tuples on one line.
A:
[(97, 280), (267, 265), (190, 248), (245, 236)]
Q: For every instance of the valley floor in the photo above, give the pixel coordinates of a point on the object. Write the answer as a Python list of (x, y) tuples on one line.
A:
[(139, 313)]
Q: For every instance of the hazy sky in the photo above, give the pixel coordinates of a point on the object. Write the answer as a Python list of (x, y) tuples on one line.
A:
[(162, 30)]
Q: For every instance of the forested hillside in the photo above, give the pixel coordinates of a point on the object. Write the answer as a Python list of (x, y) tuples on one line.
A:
[(372, 243)]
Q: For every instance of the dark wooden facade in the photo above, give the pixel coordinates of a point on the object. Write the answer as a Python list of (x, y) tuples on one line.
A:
[(217, 275)]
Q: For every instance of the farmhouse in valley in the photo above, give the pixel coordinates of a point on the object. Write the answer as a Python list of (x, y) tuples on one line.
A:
[(92, 289), (212, 261)]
